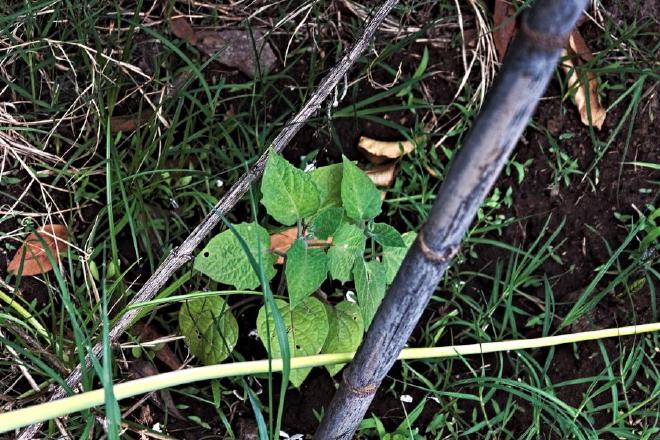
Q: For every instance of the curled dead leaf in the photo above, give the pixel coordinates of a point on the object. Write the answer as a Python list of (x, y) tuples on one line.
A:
[(280, 242), (181, 28), (130, 123), (379, 152), (504, 25), (584, 84), (31, 258), (383, 175)]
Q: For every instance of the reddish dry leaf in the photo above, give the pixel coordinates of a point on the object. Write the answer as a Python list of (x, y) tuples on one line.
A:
[(280, 242), (31, 258), (576, 53), (181, 28), (129, 123), (504, 25), (383, 175)]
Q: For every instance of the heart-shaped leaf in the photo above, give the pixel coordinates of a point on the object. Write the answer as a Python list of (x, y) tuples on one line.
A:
[(347, 245), (346, 327), (289, 194), (369, 287), (210, 329), (326, 222), (328, 182), (307, 329), (359, 196), (224, 260), (393, 256), (386, 235), (306, 269)]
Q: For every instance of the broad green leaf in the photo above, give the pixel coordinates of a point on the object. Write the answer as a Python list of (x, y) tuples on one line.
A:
[(289, 194), (224, 260), (369, 287), (347, 245), (386, 235), (328, 181), (326, 222), (307, 329), (306, 269), (393, 256), (359, 195), (345, 331), (209, 328)]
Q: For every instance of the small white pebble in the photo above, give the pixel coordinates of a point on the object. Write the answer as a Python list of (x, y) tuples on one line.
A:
[(219, 183), (406, 398)]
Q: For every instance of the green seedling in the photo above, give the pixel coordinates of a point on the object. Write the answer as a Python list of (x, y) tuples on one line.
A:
[(335, 205)]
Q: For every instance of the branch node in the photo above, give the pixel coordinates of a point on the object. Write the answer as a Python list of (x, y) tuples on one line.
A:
[(442, 256), (365, 391)]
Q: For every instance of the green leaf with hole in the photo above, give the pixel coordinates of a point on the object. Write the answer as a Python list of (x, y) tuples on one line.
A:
[(346, 327), (307, 330), (393, 255), (306, 269), (328, 181), (289, 194), (326, 222), (359, 195), (347, 245), (386, 235), (369, 287), (209, 328), (224, 260)]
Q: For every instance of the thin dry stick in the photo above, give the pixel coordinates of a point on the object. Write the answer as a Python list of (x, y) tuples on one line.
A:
[(182, 254)]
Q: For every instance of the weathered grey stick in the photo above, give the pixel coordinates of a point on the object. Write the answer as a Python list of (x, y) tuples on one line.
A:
[(526, 71), (179, 256)]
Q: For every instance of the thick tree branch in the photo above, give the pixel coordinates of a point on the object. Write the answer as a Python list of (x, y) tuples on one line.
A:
[(526, 70), (181, 255)]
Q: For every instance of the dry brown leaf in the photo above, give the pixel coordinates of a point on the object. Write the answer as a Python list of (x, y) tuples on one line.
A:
[(504, 25), (148, 333), (32, 253), (379, 152), (280, 242), (130, 123), (236, 48), (576, 53), (383, 175), (181, 28)]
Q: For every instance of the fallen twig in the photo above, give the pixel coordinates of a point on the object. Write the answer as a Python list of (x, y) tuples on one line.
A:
[(182, 254)]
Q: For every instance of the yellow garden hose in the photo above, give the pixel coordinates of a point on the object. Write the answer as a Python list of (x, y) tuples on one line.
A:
[(45, 411)]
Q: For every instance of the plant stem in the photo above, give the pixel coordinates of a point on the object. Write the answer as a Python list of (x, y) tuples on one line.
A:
[(526, 71), (45, 411)]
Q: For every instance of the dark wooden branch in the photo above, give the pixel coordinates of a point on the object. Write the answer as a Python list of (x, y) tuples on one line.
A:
[(184, 253), (526, 70)]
